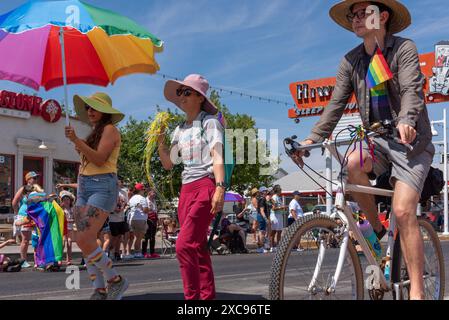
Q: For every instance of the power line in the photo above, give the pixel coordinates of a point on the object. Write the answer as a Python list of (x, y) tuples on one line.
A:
[(235, 92)]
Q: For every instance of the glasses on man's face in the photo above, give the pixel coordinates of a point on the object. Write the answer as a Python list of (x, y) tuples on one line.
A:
[(361, 14), (186, 92)]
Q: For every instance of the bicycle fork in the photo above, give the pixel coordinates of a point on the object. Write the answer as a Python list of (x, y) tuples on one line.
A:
[(321, 255)]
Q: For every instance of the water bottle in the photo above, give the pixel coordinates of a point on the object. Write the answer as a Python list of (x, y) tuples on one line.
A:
[(387, 271), (368, 233)]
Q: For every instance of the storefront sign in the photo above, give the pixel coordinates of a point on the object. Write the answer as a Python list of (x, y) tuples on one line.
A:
[(312, 97), (23, 106), (439, 82), (14, 113)]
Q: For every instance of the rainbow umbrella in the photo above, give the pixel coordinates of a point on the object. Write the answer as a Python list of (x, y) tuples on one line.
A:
[(53, 43)]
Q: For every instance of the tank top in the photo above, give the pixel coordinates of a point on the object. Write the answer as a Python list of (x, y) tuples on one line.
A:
[(110, 165)]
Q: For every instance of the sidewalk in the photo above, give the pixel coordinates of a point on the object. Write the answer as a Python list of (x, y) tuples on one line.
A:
[(13, 250)]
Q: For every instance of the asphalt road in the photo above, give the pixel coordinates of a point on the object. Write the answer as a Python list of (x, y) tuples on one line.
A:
[(238, 277)]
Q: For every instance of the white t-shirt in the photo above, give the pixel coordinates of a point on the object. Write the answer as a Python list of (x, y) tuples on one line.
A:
[(294, 205), (119, 216), (137, 204), (194, 144)]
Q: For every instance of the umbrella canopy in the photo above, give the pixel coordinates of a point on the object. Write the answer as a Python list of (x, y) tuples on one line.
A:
[(99, 46), (233, 197)]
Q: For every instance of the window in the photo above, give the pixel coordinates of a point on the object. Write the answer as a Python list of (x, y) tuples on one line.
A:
[(6, 183), (64, 172)]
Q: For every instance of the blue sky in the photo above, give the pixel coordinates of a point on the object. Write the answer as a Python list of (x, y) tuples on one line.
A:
[(258, 47)]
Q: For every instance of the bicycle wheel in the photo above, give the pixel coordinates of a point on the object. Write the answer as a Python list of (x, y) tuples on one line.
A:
[(292, 270), (434, 274)]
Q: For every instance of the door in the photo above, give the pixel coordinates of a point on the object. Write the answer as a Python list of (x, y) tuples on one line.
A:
[(36, 165)]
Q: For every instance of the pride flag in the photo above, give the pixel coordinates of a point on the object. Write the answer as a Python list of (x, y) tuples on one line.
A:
[(378, 71), (49, 219)]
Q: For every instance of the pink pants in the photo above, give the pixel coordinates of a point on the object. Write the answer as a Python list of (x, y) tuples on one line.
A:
[(194, 215)]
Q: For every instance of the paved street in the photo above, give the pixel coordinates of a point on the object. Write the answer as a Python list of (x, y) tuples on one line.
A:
[(238, 277)]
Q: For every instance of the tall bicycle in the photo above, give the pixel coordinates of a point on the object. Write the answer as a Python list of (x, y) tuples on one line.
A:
[(328, 265)]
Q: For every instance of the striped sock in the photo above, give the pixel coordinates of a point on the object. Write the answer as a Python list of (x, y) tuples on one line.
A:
[(102, 262), (95, 276)]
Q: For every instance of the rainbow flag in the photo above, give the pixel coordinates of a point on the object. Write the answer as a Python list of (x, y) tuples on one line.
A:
[(49, 219), (378, 71)]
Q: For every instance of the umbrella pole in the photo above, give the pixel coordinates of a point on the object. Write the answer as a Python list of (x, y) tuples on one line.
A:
[(64, 76)]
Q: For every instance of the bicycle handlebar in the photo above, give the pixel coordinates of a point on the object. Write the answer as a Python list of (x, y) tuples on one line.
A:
[(385, 129)]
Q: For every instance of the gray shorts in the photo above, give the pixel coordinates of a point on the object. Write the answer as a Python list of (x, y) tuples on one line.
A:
[(139, 226), (411, 171)]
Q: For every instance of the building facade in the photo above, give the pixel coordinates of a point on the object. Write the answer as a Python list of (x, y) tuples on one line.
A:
[(32, 139)]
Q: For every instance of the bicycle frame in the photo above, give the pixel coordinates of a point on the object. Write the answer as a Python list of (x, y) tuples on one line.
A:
[(379, 280)]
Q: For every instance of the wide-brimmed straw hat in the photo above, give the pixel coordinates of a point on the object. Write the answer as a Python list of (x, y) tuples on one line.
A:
[(65, 193), (254, 192), (399, 20), (197, 83), (100, 102)]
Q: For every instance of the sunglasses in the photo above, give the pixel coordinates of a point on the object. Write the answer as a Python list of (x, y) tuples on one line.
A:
[(186, 92), (87, 107), (361, 14)]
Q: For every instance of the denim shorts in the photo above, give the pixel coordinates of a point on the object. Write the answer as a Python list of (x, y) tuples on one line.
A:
[(100, 191), (262, 222)]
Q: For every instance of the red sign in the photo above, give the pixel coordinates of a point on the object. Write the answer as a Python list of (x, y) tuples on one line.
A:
[(49, 110), (312, 97)]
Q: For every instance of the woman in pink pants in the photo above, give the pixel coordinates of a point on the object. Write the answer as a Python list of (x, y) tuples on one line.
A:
[(198, 144)]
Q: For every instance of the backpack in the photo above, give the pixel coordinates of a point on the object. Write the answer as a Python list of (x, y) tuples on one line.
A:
[(236, 243), (432, 186), (228, 156)]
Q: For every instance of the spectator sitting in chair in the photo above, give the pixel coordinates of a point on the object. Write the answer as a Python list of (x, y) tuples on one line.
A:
[(231, 228)]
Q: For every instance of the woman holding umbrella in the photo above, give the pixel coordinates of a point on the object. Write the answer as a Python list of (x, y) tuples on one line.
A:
[(97, 188), (199, 142)]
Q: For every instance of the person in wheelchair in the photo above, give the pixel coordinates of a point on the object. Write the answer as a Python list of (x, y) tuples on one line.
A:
[(400, 101)]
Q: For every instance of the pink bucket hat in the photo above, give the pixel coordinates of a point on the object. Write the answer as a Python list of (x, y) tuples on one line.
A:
[(197, 83)]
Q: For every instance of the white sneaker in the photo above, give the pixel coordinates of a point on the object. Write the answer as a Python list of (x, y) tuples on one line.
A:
[(25, 264)]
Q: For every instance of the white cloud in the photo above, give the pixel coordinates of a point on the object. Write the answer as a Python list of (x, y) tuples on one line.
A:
[(188, 18)]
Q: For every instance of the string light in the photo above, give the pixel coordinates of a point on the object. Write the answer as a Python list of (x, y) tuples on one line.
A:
[(237, 92)]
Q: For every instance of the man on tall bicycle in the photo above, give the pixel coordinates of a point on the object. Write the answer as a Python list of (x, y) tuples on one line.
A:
[(403, 105)]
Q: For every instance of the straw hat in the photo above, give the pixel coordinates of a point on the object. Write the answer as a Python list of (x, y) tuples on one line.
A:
[(399, 20), (254, 192), (197, 83), (100, 102), (64, 194)]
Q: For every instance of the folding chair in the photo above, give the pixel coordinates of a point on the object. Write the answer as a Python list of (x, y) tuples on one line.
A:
[(168, 241)]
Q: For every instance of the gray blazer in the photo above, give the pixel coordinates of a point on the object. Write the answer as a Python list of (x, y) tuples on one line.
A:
[(405, 91)]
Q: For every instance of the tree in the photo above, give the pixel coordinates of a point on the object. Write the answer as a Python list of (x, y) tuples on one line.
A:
[(245, 176)]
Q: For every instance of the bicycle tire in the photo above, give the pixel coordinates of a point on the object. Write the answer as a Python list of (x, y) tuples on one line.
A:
[(399, 269), (288, 241)]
